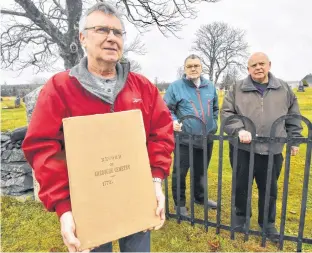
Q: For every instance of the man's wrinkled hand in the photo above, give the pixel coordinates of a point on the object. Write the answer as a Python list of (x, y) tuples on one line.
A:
[(68, 230), (294, 150), (160, 210), (244, 136), (177, 126)]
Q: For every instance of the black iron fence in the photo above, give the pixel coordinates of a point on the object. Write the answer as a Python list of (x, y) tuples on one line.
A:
[(289, 141)]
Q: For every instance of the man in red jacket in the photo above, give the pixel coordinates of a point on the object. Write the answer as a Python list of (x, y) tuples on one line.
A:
[(98, 84)]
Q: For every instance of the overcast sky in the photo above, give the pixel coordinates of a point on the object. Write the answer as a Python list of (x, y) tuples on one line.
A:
[(280, 28)]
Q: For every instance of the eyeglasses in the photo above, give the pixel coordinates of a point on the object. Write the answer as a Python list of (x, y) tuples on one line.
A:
[(106, 30), (196, 66)]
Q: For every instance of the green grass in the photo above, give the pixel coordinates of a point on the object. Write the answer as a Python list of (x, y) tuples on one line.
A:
[(11, 117), (28, 227)]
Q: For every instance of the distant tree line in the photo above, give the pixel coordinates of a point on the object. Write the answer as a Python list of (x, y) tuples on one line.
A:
[(17, 89)]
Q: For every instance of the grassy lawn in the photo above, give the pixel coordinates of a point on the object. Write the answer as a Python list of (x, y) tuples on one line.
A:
[(11, 117), (28, 227)]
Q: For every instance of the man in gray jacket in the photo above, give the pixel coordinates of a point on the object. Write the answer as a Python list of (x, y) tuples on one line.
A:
[(263, 98)]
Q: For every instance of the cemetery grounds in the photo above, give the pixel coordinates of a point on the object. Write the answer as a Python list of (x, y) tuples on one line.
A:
[(27, 226)]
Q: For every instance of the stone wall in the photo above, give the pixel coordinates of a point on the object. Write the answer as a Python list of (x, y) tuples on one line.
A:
[(16, 174)]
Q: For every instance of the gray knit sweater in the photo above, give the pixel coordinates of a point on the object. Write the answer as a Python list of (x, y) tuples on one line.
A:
[(96, 85)]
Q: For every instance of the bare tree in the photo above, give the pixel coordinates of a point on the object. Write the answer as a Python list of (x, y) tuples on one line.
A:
[(136, 46), (48, 29), (167, 15), (180, 72), (135, 66), (230, 76), (220, 47)]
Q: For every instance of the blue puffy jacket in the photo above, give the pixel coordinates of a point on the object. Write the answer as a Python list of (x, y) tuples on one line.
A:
[(184, 98)]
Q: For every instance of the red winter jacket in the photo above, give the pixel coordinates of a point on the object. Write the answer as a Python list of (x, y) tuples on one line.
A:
[(62, 97)]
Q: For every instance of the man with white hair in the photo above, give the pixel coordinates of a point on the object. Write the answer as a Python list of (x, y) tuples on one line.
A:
[(98, 84)]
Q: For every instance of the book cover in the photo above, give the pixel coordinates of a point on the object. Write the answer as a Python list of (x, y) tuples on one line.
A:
[(111, 188)]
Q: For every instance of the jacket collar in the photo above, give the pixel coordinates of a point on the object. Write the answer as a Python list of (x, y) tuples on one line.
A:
[(203, 81), (249, 86)]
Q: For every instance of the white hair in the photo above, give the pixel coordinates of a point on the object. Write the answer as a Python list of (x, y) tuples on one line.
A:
[(103, 7)]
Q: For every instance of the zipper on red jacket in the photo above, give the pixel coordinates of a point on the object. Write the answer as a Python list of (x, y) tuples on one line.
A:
[(209, 107), (201, 104), (194, 107)]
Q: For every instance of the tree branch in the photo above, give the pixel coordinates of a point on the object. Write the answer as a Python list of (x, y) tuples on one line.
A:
[(136, 46), (220, 46), (167, 15), (40, 20), (13, 13), (58, 5)]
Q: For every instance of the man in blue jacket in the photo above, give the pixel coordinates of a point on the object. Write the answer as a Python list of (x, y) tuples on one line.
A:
[(192, 95)]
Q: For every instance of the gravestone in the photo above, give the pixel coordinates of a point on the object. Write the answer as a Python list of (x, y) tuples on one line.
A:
[(301, 87), (17, 102)]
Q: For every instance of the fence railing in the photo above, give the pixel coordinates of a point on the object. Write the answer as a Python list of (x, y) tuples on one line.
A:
[(289, 141)]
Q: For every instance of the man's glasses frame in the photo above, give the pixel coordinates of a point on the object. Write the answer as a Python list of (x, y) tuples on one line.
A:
[(196, 66), (106, 30)]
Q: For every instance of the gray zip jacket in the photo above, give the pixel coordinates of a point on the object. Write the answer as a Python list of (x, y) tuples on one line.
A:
[(278, 100)]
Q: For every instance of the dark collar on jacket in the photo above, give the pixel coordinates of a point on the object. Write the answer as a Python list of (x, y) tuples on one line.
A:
[(248, 85)]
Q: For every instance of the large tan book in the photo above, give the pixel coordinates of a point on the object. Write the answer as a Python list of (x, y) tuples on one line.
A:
[(111, 188)]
